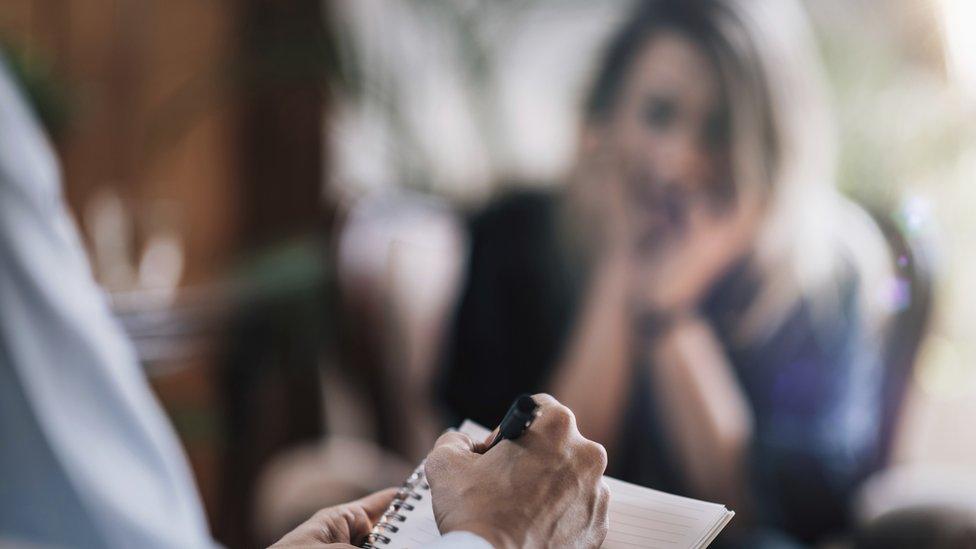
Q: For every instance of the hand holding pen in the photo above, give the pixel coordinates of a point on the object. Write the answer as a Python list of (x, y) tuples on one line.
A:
[(519, 417), (550, 468)]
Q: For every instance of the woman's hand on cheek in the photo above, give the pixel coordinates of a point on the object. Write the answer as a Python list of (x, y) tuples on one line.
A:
[(600, 213), (673, 279)]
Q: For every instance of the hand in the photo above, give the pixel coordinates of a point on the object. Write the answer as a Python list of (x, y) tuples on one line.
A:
[(670, 242), (340, 526), (600, 219), (544, 489), (675, 280)]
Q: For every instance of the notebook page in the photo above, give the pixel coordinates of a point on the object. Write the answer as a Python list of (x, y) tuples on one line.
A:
[(642, 517), (419, 528)]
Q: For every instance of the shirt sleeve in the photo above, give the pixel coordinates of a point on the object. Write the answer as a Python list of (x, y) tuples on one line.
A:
[(83, 412), (460, 540)]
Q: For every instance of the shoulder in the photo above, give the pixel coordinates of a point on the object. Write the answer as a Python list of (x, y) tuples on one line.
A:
[(521, 207), (521, 219)]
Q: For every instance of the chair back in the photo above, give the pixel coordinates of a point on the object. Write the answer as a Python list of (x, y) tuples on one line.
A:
[(907, 330)]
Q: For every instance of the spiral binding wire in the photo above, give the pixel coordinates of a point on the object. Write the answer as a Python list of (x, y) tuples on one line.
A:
[(396, 512)]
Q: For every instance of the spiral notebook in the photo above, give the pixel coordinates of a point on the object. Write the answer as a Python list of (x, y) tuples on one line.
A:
[(639, 517)]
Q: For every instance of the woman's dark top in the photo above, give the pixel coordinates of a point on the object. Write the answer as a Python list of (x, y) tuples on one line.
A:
[(813, 385)]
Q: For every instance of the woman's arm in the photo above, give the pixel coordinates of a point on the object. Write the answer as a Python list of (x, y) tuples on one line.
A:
[(704, 411), (593, 375)]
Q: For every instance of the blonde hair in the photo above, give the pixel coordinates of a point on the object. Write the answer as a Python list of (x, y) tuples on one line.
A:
[(811, 232)]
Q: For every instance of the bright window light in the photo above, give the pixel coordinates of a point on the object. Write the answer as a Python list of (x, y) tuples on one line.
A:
[(958, 19)]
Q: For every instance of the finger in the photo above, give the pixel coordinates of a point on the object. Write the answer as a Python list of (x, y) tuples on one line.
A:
[(376, 503), (601, 514), (450, 451), (592, 140), (748, 206), (594, 455), (544, 400), (455, 441), (554, 419)]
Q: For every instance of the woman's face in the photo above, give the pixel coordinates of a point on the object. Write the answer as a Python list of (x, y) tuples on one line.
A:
[(670, 130)]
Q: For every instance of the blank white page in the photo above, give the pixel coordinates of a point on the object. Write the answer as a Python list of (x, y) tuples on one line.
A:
[(641, 517)]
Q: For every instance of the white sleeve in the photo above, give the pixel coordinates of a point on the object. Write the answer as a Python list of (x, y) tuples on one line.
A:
[(84, 422), (460, 540)]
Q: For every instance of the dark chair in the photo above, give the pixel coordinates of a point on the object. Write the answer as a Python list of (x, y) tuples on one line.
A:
[(908, 326)]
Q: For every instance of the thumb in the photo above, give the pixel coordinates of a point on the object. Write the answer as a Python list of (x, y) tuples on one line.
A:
[(375, 504)]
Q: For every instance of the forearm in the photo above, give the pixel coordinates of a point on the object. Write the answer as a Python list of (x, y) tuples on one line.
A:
[(593, 377), (705, 412)]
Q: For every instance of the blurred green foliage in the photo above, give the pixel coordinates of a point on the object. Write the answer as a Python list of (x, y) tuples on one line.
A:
[(47, 93)]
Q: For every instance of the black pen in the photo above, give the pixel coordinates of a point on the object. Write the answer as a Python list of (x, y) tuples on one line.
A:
[(518, 418)]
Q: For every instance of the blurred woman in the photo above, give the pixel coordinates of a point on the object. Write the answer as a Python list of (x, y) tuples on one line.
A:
[(699, 293)]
